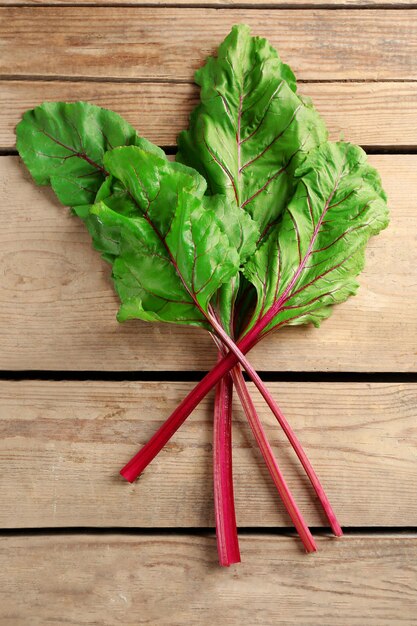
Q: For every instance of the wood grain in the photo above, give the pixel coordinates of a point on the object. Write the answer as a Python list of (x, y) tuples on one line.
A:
[(372, 114), (232, 4), (57, 306), (133, 43), (175, 581), (63, 443)]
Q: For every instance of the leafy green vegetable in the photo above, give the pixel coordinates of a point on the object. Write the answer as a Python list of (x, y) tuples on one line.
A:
[(170, 253), (269, 229), (251, 129), (150, 217), (310, 262), (247, 136), (315, 204), (63, 145)]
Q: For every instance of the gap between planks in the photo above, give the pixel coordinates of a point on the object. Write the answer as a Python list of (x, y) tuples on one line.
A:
[(178, 81), (195, 376), (406, 532)]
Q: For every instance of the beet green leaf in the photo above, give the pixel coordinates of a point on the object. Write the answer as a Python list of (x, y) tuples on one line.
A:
[(310, 261), (251, 129), (168, 248), (63, 144)]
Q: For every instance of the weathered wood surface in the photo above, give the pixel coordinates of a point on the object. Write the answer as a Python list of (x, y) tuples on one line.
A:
[(109, 580), (170, 43), (57, 305), (63, 443), (218, 3), (372, 114)]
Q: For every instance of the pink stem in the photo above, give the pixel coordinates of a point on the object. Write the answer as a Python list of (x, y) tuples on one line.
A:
[(305, 462), (266, 450), (142, 459), (274, 470), (226, 532), (290, 434), (137, 464)]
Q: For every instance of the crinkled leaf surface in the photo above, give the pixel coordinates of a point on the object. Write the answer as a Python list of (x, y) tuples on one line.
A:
[(168, 249), (243, 234), (311, 261), (63, 144), (246, 137), (251, 129)]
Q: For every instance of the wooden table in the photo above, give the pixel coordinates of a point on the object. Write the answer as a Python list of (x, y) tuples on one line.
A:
[(79, 392)]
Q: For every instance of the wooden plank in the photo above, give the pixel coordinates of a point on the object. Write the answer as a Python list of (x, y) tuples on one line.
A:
[(159, 111), (57, 306), (175, 581), (232, 4), (371, 114), (132, 42), (63, 443)]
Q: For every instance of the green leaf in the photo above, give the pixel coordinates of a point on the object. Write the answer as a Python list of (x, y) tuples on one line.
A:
[(251, 129), (63, 144), (169, 251), (238, 225), (311, 260), (242, 232), (246, 137)]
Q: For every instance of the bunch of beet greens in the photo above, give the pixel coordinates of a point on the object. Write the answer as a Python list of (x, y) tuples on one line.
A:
[(261, 222)]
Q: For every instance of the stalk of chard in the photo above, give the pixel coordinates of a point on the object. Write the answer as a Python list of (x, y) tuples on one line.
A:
[(225, 519), (271, 463), (142, 459), (224, 509), (291, 436)]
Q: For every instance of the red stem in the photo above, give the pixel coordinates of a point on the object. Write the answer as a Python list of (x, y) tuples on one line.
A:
[(142, 459), (289, 433), (226, 532), (305, 462), (268, 455), (266, 450), (155, 444)]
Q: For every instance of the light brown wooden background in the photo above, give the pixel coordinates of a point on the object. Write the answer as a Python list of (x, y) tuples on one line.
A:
[(79, 392)]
